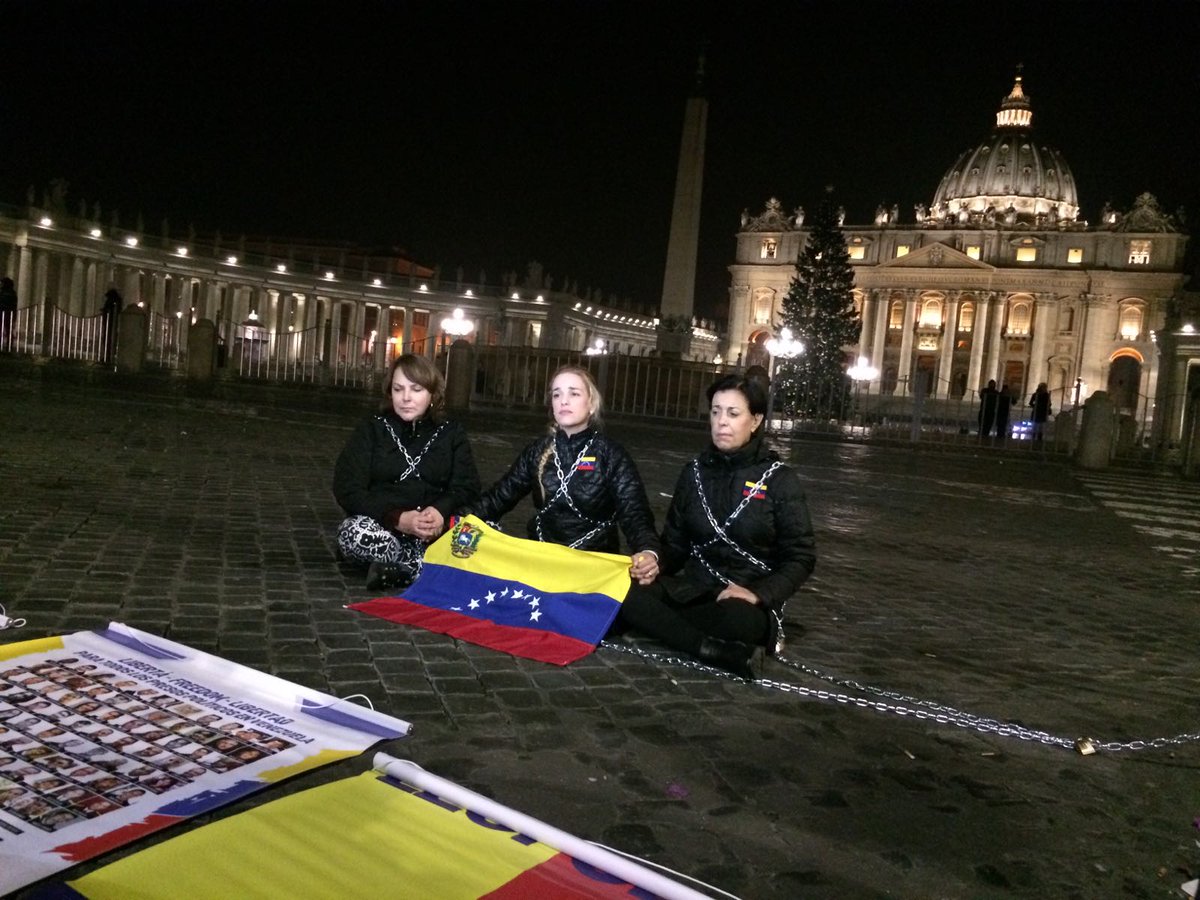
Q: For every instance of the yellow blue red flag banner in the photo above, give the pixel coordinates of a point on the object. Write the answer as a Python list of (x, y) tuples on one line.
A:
[(394, 831), (536, 600), (109, 735)]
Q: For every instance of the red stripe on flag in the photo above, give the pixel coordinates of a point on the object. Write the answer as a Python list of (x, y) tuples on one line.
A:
[(562, 878), (530, 643)]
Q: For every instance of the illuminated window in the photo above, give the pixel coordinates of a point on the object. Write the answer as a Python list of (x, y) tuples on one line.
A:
[(1075, 255), (896, 319), (931, 314), (1019, 316), (1026, 254), (1139, 253), (768, 249), (966, 317), (1131, 323), (764, 299), (901, 250), (857, 251), (973, 251)]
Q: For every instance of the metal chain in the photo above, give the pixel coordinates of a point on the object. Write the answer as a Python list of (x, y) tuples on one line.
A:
[(412, 463), (566, 496), (913, 707)]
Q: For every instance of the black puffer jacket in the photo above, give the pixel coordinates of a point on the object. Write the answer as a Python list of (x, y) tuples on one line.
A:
[(604, 491), (774, 527), (369, 480)]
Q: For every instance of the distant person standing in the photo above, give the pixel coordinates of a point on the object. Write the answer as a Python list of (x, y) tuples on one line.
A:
[(1040, 401), (989, 399), (110, 313), (8, 311), (1003, 406)]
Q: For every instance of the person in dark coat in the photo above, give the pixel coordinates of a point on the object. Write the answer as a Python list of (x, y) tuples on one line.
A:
[(8, 311), (1040, 402), (737, 542), (110, 314), (1004, 401), (584, 484), (401, 475), (989, 398)]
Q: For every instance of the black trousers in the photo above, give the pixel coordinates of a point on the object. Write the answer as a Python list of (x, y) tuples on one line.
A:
[(681, 614)]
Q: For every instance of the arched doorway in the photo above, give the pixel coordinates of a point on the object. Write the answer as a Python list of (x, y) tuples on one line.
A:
[(1125, 380), (756, 350)]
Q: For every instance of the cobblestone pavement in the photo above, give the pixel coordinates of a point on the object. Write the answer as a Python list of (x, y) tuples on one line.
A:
[(993, 583)]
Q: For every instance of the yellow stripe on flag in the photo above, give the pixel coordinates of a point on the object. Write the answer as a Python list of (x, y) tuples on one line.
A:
[(358, 837), (558, 569)]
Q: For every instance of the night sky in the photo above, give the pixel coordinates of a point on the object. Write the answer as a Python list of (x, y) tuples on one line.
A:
[(486, 135)]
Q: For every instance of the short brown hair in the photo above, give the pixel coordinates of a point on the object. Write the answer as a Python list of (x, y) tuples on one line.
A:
[(419, 370)]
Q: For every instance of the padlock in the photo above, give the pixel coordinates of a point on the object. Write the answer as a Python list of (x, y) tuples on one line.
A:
[(1086, 746)]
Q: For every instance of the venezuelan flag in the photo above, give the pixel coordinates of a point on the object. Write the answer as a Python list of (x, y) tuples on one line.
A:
[(754, 490), (531, 599)]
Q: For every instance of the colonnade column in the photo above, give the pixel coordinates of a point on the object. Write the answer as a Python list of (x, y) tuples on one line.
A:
[(883, 311), (978, 328), (904, 368), (1040, 324), (949, 334), (994, 345)]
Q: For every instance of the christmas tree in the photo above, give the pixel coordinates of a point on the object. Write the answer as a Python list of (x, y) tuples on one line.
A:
[(819, 310)]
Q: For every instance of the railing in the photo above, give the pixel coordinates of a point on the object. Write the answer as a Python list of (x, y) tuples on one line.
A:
[(519, 377)]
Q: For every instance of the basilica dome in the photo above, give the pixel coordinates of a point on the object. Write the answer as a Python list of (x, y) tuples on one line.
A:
[(1009, 179)]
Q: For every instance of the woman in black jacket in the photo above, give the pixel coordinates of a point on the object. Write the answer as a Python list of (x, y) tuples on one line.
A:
[(737, 543), (584, 484), (401, 475)]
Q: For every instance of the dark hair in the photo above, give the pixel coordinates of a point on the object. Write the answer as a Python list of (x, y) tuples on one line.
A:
[(419, 370), (751, 388)]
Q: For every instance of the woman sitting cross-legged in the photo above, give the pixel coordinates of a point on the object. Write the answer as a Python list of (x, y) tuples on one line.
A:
[(401, 475), (737, 542), (583, 483)]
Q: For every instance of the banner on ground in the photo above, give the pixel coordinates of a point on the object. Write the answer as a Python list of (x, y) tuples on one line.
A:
[(537, 600), (396, 831), (108, 735)]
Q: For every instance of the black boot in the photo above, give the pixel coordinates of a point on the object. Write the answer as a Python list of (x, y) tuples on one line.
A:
[(383, 576), (732, 656)]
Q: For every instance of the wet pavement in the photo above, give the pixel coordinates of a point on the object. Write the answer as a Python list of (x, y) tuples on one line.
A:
[(992, 583)]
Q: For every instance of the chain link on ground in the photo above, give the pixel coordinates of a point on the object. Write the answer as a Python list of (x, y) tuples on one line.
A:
[(909, 707)]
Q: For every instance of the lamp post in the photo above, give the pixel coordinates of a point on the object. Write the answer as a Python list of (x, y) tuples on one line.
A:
[(458, 325), (862, 371), (784, 346)]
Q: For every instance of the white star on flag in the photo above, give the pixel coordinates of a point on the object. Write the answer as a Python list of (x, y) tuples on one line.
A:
[(490, 596), (518, 594), (474, 604), (535, 602), (535, 615)]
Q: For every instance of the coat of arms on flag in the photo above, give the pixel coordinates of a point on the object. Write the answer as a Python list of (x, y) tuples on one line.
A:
[(532, 599)]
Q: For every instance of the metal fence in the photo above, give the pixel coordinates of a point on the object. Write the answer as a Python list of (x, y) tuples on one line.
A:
[(518, 378)]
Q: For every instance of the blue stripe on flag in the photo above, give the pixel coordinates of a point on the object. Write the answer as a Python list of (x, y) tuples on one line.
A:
[(583, 616)]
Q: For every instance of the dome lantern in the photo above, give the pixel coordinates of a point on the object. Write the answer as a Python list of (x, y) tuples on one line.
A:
[(1015, 111)]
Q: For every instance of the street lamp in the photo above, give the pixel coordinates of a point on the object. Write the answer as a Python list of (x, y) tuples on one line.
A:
[(784, 346), (597, 349), (458, 325), (861, 372)]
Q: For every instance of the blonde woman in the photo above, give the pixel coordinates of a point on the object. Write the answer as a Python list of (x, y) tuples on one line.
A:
[(583, 484)]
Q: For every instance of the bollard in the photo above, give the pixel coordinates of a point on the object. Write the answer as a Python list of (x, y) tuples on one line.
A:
[(131, 339), (1096, 435), (460, 374), (201, 351)]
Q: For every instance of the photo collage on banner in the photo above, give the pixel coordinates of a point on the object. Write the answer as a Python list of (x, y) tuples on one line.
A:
[(77, 741), (109, 735)]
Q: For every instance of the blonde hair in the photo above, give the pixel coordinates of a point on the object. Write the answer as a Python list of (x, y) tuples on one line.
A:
[(595, 404), (595, 398)]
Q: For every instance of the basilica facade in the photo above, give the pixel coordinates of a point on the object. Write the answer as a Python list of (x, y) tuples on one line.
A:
[(999, 278)]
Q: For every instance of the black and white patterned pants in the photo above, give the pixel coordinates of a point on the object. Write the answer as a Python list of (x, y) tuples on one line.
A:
[(362, 539)]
